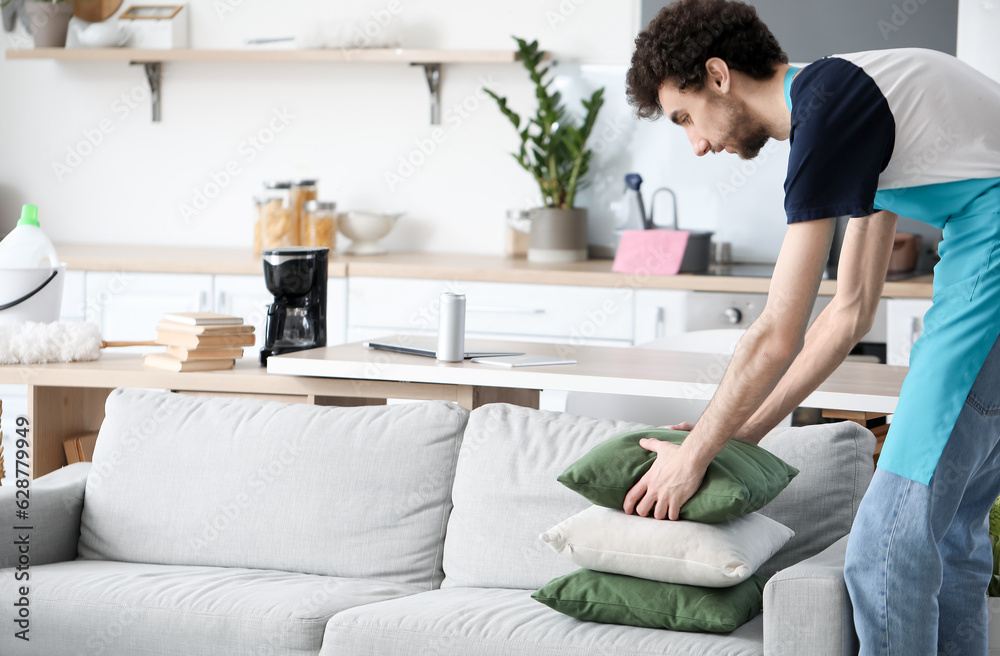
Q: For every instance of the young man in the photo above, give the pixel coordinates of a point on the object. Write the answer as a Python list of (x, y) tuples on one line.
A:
[(873, 135)]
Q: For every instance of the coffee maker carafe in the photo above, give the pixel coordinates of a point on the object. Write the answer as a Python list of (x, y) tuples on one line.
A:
[(296, 320)]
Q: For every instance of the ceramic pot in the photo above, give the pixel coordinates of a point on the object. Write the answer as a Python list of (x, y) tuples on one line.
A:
[(557, 235), (49, 22)]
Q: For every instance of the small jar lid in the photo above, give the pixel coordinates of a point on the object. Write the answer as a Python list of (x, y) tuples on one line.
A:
[(277, 184), (307, 182), (317, 205)]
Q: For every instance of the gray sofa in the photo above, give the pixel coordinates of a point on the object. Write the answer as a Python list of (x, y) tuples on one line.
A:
[(238, 527)]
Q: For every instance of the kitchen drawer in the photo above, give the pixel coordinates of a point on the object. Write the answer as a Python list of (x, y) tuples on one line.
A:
[(580, 314)]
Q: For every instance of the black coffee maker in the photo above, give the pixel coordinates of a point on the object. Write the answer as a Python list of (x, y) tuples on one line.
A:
[(296, 320)]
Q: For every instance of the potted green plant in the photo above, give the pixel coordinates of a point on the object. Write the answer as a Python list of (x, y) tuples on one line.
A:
[(553, 150)]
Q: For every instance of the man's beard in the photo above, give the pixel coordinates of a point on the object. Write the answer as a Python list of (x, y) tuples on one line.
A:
[(747, 134)]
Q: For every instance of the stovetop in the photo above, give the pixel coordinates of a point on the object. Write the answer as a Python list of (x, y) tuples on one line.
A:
[(742, 270), (766, 270)]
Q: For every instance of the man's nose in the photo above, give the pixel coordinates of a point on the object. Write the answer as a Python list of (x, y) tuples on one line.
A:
[(701, 146)]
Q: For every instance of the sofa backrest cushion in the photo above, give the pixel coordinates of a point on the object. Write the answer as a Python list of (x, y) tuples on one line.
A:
[(360, 492), (506, 494), (835, 467)]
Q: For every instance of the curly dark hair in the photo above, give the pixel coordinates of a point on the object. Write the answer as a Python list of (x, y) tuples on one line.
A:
[(684, 35)]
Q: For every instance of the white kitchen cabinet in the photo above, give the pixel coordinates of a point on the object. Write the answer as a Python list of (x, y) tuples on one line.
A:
[(336, 311), (524, 312), (74, 299), (128, 306), (247, 297), (905, 323)]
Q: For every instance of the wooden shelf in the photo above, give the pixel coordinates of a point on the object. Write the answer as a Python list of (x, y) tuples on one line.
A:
[(152, 61), (340, 55)]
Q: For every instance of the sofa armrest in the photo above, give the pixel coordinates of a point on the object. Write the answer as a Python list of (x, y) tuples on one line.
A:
[(807, 609), (55, 507)]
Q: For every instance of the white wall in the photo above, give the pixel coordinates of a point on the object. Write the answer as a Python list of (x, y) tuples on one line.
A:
[(348, 125), (979, 35)]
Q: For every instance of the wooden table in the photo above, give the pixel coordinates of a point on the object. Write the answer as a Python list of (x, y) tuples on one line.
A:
[(66, 400), (641, 372)]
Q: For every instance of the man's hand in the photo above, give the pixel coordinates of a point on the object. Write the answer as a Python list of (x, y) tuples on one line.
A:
[(683, 426), (670, 482)]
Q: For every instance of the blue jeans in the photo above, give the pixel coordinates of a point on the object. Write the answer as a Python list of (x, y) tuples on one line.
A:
[(919, 557)]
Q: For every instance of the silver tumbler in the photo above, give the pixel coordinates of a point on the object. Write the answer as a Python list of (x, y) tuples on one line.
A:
[(451, 328)]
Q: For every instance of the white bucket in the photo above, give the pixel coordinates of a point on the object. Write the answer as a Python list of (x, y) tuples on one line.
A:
[(31, 294)]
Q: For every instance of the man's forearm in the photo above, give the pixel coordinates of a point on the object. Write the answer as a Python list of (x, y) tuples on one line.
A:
[(827, 343), (757, 366)]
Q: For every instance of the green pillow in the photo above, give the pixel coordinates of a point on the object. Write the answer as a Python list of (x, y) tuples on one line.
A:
[(619, 599), (743, 478)]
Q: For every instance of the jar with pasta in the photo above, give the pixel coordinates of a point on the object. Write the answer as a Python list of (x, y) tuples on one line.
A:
[(277, 226), (303, 191), (320, 224), (258, 207)]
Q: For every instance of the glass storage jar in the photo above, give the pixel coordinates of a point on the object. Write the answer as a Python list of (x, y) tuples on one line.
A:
[(278, 226), (258, 208), (320, 224), (303, 191)]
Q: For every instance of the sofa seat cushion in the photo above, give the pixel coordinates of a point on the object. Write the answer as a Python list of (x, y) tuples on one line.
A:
[(128, 609), (360, 492), (494, 622)]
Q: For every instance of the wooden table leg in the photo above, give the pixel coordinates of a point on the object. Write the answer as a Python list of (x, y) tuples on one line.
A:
[(473, 396), (57, 414)]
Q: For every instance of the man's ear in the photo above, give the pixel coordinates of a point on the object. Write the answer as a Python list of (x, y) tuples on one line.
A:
[(719, 76)]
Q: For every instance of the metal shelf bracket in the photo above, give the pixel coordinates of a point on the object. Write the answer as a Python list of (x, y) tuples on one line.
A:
[(154, 74), (433, 74)]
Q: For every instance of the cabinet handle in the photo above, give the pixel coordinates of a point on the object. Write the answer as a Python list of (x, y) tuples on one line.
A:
[(202, 301), (916, 329), (220, 302), (660, 328), (496, 309)]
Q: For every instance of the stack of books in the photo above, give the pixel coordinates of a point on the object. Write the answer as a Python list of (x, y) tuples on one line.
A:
[(199, 341)]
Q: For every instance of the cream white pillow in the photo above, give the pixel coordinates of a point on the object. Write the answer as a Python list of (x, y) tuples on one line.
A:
[(686, 552)]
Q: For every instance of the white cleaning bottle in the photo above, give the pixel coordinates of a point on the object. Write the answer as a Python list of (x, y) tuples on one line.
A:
[(26, 246)]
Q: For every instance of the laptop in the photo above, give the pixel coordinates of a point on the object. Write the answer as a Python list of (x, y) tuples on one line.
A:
[(427, 347)]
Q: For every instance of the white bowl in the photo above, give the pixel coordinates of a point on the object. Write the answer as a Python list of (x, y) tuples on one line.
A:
[(103, 35), (364, 229)]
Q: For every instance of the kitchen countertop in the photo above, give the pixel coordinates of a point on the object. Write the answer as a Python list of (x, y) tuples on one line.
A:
[(438, 266), (169, 259)]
